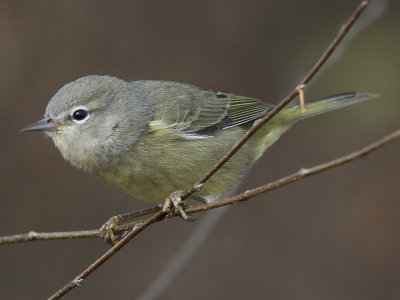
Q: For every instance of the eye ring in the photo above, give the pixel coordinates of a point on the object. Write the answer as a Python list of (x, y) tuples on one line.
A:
[(80, 115)]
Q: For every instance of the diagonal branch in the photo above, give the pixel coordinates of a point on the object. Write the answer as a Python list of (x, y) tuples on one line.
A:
[(259, 123), (305, 172), (302, 173), (140, 226)]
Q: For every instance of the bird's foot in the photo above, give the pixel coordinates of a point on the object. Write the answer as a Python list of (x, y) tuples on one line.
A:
[(176, 205), (108, 233)]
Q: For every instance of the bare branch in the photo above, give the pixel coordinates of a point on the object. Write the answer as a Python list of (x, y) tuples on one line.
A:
[(302, 173), (47, 236), (44, 236), (259, 123), (139, 227)]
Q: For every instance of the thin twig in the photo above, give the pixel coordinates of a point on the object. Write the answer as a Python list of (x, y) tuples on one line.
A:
[(138, 227), (132, 233), (259, 123), (47, 236), (302, 173), (188, 249), (33, 236), (181, 257)]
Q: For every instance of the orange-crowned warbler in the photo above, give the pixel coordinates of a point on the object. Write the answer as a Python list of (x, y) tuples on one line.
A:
[(151, 138)]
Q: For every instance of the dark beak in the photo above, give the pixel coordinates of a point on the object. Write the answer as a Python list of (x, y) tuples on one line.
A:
[(45, 124)]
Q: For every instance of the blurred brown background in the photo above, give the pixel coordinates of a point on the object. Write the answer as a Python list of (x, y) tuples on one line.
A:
[(332, 236)]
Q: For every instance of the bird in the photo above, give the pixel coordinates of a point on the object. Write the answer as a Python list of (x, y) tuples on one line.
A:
[(151, 137)]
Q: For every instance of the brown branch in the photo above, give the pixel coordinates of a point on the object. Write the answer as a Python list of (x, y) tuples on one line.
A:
[(47, 236), (139, 227), (302, 173), (259, 123), (44, 236)]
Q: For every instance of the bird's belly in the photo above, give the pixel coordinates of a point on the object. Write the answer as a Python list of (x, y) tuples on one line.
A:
[(154, 168), (153, 182)]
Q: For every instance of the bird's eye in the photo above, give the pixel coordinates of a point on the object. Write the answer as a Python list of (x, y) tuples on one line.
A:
[(80, 114)]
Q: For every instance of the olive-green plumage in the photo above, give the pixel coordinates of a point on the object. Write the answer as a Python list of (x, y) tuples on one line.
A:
[(151, 138)]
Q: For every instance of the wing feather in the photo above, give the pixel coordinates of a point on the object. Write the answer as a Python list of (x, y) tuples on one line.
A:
[(193, 110)]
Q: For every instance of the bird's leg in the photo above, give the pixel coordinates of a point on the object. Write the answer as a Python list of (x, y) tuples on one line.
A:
[(174, 202), (107, 232)]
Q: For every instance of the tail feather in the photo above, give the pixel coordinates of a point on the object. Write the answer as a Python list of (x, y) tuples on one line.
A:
[(322, 105)]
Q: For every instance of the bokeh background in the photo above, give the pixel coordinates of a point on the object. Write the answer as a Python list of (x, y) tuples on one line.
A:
[(331, 236)]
